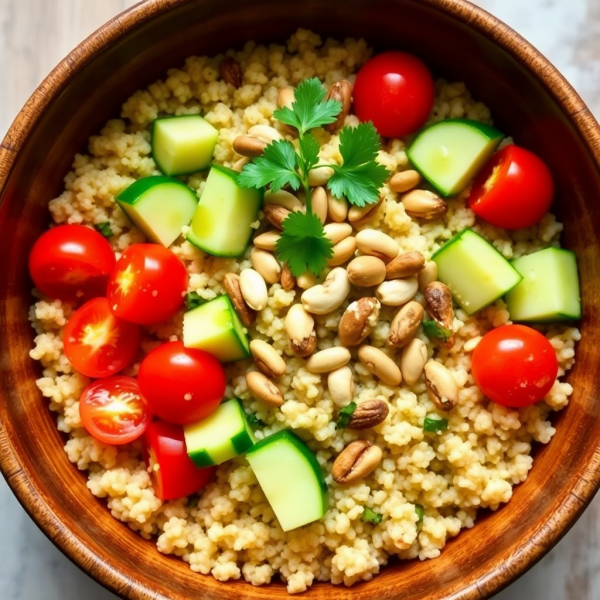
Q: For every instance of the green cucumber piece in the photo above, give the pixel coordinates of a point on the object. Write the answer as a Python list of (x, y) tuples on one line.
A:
[(549, 290), (222, 224), (221, 436), (291, 478), (183, 144), (474, 271), (159, 207), (216, 328), (450, 153)]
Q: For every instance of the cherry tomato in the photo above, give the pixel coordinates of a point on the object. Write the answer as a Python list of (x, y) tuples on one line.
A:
[(173, 473), (113, 411), (147, 285), (395, 91), (71, 262), (181, 385), (514, 365), (97, 343), (514, 190)]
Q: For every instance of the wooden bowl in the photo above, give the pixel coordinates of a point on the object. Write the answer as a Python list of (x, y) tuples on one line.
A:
[(529, 100)]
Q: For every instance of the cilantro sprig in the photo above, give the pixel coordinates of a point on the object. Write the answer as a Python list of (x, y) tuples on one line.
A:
[(371, 516), (432, 330), (302, 244)]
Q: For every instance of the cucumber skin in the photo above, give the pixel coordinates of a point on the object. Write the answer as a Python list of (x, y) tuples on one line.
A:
[(132, 192), (300, 445), (208, 166), (488, 130)]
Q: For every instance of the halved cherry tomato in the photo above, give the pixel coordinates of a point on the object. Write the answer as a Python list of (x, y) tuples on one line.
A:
[(173, 473), (514, 365), (71, 262), (181, 385), (112, 410), (97, 343), (147, 285), (395, 91), (514, 190)]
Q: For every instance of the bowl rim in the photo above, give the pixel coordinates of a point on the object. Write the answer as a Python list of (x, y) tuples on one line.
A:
[(136, 16)]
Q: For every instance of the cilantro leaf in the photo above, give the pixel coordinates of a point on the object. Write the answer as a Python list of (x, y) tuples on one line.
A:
[(104, 228), (420, 514), (433, 425), (345, 416), (254, 421), (303, 244), (194, 300), (360, 176), (276, 168), (370, 516), (309, 109), (309, 150), (432, 330)]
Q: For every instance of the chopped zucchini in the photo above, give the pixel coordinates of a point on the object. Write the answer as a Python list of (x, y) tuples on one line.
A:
[(549, 290), (474, 271), (216, 328), (222, 224), (221, 436), (159, 206), (291, 478), (450, 153), (183, 144)]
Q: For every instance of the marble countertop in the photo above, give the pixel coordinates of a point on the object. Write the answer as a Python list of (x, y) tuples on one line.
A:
[(36, 34)]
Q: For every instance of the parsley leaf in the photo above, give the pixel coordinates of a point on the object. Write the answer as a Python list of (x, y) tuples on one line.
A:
[(276, 167), (194, 300), (104, 228), (309, 150), (420, 514), (432, 330), (370, 516), (345, 416), (254, 421), (309, 109), (360, 176), (432, 425), (303, 244)]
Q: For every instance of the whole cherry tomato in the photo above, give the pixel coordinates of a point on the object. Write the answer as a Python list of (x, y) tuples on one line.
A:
[(395, 91), (514, 190), (97, 343), (173, 473), (181, 385), (71, 262), (147, 285), (514, 365), (112, 410)]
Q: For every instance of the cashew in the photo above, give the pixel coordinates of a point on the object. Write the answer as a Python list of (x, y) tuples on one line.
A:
[(326, 297)]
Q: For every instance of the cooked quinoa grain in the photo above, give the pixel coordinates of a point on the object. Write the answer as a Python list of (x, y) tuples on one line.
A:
[(230, 531)]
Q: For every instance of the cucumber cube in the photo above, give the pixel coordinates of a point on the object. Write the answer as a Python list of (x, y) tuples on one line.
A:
[(549, 290), (183, 144), (450, 153), (159, 206), (474, 271), (216, 328), (291, 479), (219, 437)]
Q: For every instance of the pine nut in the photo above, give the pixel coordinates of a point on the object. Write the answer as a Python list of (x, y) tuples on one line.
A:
[(341, 386), (380, 364), (328, 360), (267, 359), (397, 292), (254, 289), (337, 208), (336, 232), (319, 203), (366, 271), (376, 243), (404, 181), (267, 240), (412, 363), (342, 252), (266, 264)]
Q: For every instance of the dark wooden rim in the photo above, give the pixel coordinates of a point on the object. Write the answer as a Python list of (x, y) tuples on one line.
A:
[(15, 472)]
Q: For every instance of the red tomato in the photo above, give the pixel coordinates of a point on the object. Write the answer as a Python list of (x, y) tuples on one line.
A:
[(71, 262), (147, 285), (514, 190), (113, 411), (97, 343), (181, 385), (173, 473), (514, 365), (395, 91)]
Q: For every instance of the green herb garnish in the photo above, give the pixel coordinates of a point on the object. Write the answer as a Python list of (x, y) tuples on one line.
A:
[(435, 425), (254, 421), (303, 244), (420, 514), (432, 330), (194, 300), (370, 516), (104, 228), (345, 416)]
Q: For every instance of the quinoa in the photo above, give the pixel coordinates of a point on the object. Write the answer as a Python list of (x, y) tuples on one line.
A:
[(230, 531)]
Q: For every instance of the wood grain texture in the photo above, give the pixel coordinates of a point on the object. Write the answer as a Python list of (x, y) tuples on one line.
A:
[(39, 23)]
